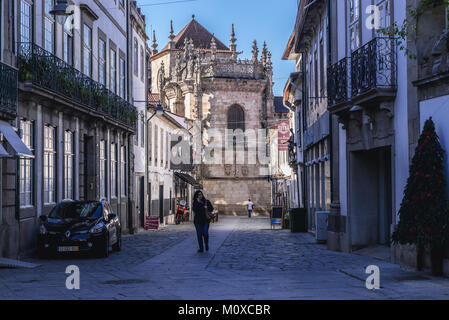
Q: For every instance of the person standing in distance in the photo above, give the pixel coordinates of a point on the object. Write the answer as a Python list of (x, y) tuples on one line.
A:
[(201, 206), (250, 208)]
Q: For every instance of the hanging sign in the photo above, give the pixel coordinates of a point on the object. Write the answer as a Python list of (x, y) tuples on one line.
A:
[(283, 135)]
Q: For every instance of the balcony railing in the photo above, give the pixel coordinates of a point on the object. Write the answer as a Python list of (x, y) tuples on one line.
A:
[(8, 91), (373, 66), (45, 70), (338, 90)]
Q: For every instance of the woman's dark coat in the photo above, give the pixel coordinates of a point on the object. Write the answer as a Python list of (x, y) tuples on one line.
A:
[(200, 211)]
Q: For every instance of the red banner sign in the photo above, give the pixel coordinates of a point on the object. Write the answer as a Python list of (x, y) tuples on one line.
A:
[(151, 223), (283, 135)]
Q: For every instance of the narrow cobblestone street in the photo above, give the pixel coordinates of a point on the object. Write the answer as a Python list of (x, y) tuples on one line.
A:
[(247, 260)]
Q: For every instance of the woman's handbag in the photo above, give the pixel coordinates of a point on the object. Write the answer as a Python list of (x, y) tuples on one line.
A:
[(210, 216)]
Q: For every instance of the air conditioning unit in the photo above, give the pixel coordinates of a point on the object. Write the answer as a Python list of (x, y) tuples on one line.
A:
[(321, 225)]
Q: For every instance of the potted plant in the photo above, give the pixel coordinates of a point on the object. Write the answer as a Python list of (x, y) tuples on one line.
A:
[(424, 218)]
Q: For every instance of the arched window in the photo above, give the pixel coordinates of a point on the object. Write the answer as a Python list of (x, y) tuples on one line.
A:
[(236, 117)]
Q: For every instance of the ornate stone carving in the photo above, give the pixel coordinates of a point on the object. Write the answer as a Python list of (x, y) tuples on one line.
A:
[(228, 169), (255, 52), (440, 53)]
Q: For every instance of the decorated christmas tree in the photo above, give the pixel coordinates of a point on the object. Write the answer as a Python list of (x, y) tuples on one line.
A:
[(424, 218)]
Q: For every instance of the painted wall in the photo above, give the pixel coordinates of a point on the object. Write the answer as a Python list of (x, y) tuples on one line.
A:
[(438, 109), (401, 157)]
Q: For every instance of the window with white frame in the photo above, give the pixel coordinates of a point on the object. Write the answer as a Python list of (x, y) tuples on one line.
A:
[(322, 73), (354, 24), (26, 169), (102, 62), (123, 170), (142, 131), (122, 78), (142, 64), (310, 80), (385, 14), (87, 50), (136, 57), (447, 17), (103, 161), (68, 41), (156, 144), (113, 72), (114, 170), (49, 26), (136, 136), (150, 142), (69, 157), (315, 83), (49, 164), (162, 148), (26, 21), (167, 149)]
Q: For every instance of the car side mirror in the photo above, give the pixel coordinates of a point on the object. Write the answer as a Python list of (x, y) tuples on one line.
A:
[(111, 216), (43, 218)]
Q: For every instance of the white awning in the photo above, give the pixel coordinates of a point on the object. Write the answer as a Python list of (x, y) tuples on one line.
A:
[(4, 153), (20, 149)]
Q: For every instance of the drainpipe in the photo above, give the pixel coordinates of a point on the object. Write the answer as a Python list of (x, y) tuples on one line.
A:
[(17, 195), (329, 61)]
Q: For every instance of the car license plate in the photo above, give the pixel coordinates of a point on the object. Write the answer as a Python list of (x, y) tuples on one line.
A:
[(68, 249)]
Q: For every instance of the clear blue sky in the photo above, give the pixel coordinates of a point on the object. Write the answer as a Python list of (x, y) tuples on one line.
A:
[(264, 20)]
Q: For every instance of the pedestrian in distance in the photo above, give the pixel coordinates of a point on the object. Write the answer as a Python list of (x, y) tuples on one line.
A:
[(202, 208), (250, 208)]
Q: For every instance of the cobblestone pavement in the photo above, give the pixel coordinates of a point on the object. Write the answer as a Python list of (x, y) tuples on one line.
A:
[(246, 261)]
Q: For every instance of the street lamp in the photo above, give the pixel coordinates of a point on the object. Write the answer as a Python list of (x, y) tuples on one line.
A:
[(158, 110), (60, 11)]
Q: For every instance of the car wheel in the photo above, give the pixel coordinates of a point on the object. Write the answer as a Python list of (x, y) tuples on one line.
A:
[(118, 245), (105, 249), (42, 253)]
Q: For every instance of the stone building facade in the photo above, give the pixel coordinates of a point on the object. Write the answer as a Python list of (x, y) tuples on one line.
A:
[(200, 78), (138, 75), (305, 93)]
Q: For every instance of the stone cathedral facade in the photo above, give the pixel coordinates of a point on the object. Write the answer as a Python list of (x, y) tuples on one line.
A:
[(201, 79)]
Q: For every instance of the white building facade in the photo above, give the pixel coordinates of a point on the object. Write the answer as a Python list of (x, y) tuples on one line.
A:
[(75, 114)]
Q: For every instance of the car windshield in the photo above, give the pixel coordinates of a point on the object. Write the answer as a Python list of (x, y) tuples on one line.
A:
[(76, 210)]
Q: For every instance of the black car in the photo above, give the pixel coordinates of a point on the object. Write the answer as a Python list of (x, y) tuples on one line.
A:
[(80, 226)]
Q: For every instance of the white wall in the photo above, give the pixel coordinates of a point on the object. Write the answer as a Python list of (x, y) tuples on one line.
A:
[(139, 93), (157, 174), (401, 156), (343, 171)]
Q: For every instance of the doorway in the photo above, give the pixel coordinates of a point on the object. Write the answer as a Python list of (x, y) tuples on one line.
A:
[(370, 197), (150, 209), (142, 201), (89, 168), (161, 204)]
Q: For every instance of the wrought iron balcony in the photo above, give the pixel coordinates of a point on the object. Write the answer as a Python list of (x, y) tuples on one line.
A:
[(338, 90), (8, 91), (374, 70), (45, 70)]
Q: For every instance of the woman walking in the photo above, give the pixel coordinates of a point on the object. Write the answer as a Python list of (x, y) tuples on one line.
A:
[(201, 207)]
